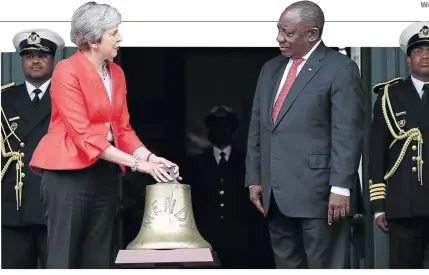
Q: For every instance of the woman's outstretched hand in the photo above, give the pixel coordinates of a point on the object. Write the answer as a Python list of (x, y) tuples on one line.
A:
[(159, 160), (156, 170)]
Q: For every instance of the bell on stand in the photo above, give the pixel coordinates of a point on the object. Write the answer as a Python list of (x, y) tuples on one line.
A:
[(168, 237)]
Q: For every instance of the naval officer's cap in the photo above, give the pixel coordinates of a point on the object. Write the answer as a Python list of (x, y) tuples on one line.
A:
[(39, 40), (417, 34)]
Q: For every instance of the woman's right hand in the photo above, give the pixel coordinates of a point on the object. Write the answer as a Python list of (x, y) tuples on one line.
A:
[(156, 170)]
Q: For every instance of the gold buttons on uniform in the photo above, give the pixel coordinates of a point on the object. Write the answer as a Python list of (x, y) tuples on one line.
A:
[(414, 147), (107, 125), (221, 192), (221, 205), (414, 158), (22, 155), (414, 169), (22, 174), (22, 144)]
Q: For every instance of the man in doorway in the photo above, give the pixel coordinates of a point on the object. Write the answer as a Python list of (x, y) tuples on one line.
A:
[(304, 143), (25, 118), (399, 155)]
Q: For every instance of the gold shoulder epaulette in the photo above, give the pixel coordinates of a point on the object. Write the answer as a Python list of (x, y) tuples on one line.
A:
[(6, 86), (380, 86)]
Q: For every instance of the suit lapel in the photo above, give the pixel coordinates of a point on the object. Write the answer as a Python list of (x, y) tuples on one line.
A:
[(21, 102), (410, 98), (308, 71), (277, 77), (32, 115), (211, 160), (210, 165), (44, 108)]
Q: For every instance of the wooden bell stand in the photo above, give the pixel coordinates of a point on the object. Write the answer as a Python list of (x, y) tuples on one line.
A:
[(173, 259)]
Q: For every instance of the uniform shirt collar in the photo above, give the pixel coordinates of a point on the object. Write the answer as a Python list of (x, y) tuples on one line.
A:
[(418, 84), (31, 88), (217, 151)]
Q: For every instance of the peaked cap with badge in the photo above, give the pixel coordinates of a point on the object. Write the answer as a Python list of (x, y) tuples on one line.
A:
[(414, 35), (39, 40)]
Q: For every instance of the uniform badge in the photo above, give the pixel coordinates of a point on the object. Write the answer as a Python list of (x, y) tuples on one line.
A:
[(401, 123), (33, 39), (424, 32), (13, 126)]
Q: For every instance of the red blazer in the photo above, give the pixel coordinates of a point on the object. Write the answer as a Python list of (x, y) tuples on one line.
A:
[(82, 115)]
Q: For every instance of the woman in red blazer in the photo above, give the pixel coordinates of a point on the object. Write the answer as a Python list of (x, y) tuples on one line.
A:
[(88, 139)]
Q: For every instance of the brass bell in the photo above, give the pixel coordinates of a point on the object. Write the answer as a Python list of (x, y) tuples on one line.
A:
[(168, 219)]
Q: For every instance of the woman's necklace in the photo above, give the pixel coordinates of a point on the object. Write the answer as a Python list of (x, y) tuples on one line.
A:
[(104, 71)]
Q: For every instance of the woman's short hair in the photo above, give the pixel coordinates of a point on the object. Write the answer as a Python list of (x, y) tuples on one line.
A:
[(90, 21)]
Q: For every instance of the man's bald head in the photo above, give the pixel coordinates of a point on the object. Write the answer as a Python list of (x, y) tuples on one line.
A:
[(308, 12), (300, 27)]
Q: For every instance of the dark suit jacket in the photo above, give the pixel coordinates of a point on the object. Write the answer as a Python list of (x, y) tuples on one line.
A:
[(242, 227), (316, 141), (402, 195), (32, 126), (221, 205)]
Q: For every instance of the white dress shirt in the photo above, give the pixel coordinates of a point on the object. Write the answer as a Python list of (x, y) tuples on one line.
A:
[(217, 152), (289, 64), (108, 85), (31, 88), (334, 189), (418, 84)]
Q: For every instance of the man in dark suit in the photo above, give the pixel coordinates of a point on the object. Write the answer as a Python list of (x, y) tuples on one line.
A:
[(25, 118), (224, 215), (399, 155), (304, 143)]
